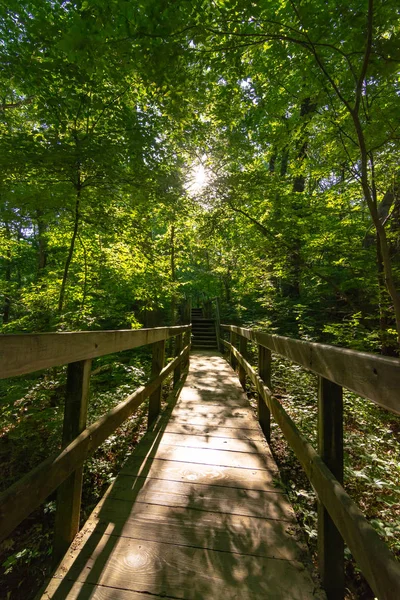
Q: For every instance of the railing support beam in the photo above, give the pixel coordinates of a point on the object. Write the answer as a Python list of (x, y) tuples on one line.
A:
[(187, 341), (156, 367), (178, 350), (264, 371), (232, 339), (241, 371), (69, 493), (330, 448)]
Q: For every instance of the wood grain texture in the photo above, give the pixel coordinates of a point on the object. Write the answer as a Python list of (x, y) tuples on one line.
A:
[(209, 456), (209, 431), (369, 375), (25, 353), (193, 573), (202, 529), (205, 497), (232, 444), (223, 476), (59, 590), (193, 515)]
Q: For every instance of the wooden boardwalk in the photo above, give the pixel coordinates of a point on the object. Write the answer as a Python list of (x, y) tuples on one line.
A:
[(195, 513)]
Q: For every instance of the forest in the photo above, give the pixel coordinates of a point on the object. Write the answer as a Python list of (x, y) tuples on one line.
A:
[(153, 152)]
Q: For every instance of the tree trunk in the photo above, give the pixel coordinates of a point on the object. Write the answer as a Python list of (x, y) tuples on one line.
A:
[(384, 307), (173, 275), (70, 251), (379, 226), (42, 228), (7, 277)]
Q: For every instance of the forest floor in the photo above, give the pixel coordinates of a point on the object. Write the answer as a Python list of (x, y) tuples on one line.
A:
[(30, 430)]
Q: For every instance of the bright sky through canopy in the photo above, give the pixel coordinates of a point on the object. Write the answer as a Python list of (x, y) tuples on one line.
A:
[(198, 179)]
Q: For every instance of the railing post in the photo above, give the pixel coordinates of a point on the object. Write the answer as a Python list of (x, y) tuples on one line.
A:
[(218, 324), (189, 311), (232, 339), (178, 350), (330, 448), (156, 366), (243, 352), (264, 371), (69, 492), (187, 342)]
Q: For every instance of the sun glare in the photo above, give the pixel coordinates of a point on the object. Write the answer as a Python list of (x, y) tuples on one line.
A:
[(198, 179)]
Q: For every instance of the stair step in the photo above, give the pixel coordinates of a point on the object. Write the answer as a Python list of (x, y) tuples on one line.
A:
[(210, 332), (203, 320)]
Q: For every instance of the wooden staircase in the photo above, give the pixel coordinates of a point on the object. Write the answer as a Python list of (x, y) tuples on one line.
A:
[(203, 331)]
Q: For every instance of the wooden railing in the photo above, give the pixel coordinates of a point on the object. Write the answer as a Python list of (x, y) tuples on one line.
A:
[(215, 302), (26, 353), (339, 519)]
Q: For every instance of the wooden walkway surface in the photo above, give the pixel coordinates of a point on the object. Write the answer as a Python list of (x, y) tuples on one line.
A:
[(195, 513)]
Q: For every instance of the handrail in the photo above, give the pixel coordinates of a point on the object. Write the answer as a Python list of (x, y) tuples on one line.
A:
[(63, 471), (369, 375), (28, 352), (339, 518)]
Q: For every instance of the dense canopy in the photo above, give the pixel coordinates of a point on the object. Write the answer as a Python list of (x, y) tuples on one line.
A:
[(151, 151)]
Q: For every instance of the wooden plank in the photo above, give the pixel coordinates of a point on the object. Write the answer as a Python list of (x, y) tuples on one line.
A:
[(203, 497), (216, 443), (209, 456), (210, 431), (206, 420), (224, 532), (213, 412), (374, 558), (157, 365), (330, 448), (206, 397), (63, 588), (70, 491), (25, 353), (223, 476), (163, 569), (18, 501), (374, 377)]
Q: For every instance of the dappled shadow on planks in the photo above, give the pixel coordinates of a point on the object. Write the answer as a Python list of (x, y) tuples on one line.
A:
[(195, 513), (96, 526)]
